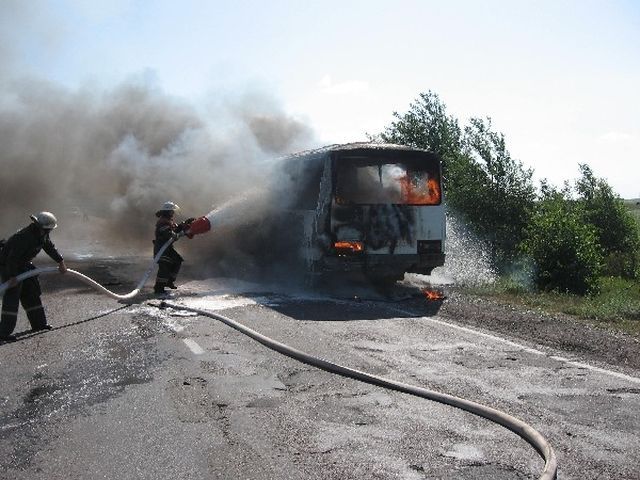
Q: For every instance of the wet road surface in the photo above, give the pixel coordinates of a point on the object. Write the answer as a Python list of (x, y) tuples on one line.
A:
[(132, 391)]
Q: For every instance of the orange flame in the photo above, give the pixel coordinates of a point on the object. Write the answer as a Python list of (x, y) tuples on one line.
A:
[(432, 295), (427, 193), (353, 247)]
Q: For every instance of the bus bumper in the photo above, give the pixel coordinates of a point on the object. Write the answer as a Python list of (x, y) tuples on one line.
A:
[(382, 265)]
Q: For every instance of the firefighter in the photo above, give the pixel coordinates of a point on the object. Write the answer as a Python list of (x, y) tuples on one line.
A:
[(170, 261), (15, 259)]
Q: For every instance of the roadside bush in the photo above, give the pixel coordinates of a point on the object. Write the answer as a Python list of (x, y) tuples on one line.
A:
[(622, 264), (564, 249), (615, 226)]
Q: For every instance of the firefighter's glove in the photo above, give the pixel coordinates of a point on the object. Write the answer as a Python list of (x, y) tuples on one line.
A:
[(183, 226), (189, 221)]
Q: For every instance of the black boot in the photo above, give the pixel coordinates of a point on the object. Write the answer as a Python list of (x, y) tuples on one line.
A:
[(46, 326), (8, 338)]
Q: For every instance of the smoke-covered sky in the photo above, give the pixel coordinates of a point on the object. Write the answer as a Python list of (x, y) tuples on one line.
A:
[(120, 153), (113, 153)]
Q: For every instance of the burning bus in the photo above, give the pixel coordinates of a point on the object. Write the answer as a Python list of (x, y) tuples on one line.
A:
[(375, 209)]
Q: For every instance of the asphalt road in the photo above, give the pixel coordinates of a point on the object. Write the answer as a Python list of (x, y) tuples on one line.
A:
[(135, 392)]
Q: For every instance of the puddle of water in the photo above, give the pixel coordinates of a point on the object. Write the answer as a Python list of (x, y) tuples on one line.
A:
[(463, 451)]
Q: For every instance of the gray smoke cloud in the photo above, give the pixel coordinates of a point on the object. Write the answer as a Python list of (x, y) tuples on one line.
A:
[(104, 159), (113, 157)]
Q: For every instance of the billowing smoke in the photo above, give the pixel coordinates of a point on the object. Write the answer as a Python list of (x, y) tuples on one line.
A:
[(105, 159), (111, 158)]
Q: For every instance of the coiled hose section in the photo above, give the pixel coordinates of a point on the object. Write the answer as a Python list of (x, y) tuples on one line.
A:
[(526, 432), (92, 283)]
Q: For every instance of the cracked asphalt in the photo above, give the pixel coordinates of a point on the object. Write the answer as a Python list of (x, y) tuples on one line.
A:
[(133, 391)]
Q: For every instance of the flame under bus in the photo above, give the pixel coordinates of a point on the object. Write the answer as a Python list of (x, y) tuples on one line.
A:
[(369, 208)]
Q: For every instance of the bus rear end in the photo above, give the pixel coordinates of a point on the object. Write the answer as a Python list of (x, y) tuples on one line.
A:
[(386, 212)]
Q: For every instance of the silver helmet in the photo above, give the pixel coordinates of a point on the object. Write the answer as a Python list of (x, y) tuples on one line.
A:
[(169, 207), (46, 220)]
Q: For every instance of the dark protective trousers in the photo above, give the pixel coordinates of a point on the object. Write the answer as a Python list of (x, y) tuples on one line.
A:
[(168, 268), (28, 293)]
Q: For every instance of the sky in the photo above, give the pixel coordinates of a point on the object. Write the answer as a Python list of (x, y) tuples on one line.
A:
[(560, 79)]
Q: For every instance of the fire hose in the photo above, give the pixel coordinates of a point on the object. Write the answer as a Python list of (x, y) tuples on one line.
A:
[(200, 225), (89, 281), (517, 426)]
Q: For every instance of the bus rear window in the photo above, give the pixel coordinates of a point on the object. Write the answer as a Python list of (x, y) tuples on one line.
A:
[(387, 183)]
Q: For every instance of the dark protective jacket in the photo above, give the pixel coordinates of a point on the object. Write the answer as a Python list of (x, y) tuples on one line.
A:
[(22, 247), (165, 229)]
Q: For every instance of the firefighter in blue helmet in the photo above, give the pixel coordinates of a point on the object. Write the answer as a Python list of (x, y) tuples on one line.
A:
[(170, 261), (15, 258)]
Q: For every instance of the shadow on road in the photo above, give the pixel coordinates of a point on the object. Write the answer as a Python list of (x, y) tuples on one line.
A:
[(28, 334), (350, 310)]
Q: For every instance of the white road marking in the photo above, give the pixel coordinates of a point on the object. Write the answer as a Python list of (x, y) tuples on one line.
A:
[(193, 346), (596, 369), (574, 363)]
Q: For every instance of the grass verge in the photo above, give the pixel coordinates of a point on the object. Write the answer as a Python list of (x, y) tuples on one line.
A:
[(634, 207), (617, 306)]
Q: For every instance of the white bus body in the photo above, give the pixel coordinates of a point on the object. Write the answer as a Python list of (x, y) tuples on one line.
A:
[(374, 209)]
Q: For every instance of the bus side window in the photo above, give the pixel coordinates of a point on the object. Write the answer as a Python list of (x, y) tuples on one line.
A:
[(305, 175)]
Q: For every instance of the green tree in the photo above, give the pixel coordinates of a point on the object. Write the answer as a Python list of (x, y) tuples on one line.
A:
[(483, 183), (615, 227), (507, 195), (427, 125), (563, 247)]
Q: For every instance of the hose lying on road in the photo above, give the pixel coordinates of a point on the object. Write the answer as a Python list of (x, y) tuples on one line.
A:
[(93, 283), (528, 433)]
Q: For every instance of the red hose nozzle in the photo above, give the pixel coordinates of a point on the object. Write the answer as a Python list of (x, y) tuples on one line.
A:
[(198, 226)]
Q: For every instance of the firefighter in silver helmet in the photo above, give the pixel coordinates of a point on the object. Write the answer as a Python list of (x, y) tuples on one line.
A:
[(170, 261), (15, 258)]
